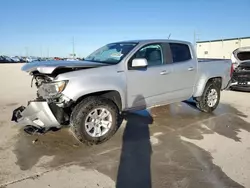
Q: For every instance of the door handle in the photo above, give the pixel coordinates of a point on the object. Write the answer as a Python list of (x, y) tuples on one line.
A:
[(164, 72), (190, 68)]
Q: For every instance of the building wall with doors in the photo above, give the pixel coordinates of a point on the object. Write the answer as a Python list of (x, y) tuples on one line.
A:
[(221, 48)]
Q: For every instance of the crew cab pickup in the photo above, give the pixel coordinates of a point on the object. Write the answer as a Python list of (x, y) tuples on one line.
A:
[(90, 96)]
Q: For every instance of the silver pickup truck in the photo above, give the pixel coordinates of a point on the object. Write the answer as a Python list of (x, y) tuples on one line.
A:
[(90, 96)]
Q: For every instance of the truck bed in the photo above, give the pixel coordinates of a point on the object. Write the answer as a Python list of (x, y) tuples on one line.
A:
[(212, 68)]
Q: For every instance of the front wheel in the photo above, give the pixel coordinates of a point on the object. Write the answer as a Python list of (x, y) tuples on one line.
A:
[(210, 98), (94, 120)]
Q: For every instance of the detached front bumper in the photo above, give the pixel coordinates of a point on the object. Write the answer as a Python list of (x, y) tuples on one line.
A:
[(39, 114)]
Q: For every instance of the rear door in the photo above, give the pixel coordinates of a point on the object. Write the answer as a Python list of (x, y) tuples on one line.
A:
[(184, 68)]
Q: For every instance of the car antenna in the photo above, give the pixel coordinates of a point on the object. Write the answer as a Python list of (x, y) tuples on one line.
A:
[(169, 35)]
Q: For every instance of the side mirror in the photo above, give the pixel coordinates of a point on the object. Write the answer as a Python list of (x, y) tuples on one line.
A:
[(139, 63)]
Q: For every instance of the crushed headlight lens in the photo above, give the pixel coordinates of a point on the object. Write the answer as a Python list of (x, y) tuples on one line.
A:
[(54, 88), (60, 86)]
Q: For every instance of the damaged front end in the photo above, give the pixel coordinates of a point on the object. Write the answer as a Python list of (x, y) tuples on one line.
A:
[(49, 111), (241, 77)]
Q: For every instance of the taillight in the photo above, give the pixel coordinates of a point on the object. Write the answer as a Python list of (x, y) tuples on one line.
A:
[(232, 70)]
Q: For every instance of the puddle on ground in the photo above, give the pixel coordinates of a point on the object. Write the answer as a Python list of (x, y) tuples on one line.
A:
[(179, 115), (61, 145), (174, 163)]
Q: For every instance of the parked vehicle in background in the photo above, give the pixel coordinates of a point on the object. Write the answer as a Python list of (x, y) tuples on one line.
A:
[(15, 59), (240, 55), (90, 96), (57, 58), (72, 59), (2, 59), (241, 69), (22, 59), (31, 59), (6, 59)]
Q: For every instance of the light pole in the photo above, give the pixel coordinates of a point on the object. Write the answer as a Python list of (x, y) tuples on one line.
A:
[(196, 38), (73, 47), (41, 51), (27, 51), (48, 52)]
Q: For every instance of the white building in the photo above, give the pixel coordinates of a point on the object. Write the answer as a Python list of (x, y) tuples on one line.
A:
[(221, 48)]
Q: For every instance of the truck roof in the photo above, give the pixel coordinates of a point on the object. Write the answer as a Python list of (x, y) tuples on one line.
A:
[(156, 40)]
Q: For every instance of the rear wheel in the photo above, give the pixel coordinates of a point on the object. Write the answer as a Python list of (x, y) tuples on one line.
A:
[(94, 120), (210, 98)]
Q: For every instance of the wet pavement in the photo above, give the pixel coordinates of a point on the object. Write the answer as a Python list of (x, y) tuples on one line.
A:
[(147, 151), (176, 146)]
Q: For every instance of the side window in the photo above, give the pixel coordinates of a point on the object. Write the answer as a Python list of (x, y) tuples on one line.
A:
[(153, 54), (180, 52)]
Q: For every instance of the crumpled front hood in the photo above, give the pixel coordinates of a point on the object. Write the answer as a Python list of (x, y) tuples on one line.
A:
[(47, 67)]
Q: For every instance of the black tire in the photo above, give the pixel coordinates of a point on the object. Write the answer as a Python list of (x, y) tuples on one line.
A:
[(80, 113), (201, 102)]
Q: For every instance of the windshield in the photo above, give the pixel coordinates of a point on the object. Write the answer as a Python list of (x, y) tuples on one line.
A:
[(111, 53)]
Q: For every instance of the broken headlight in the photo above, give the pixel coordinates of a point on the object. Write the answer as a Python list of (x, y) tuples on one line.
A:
[(52, 89)]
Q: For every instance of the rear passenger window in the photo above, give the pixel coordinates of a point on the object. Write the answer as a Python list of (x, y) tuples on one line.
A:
[(180, 52)]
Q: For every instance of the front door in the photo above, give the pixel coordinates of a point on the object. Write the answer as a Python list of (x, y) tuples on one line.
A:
[(148, 86)]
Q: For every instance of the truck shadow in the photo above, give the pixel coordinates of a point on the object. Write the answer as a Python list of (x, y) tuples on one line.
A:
[(134, 168), (170, 163)]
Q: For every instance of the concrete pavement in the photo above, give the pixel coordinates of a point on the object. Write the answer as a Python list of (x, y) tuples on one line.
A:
[(171, 146)]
